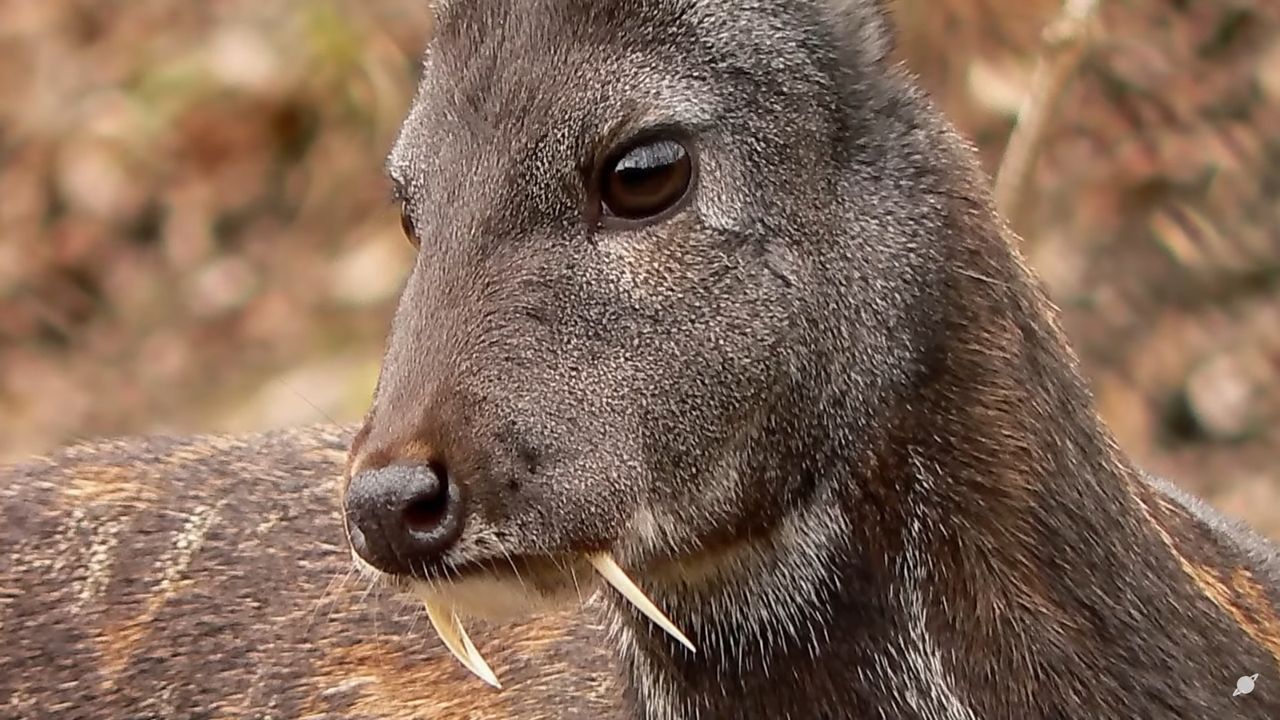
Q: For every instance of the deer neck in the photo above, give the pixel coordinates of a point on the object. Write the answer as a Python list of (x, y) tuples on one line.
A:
[(936, 554)]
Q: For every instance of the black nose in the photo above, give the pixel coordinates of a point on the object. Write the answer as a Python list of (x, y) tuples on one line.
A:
[(402, 517)]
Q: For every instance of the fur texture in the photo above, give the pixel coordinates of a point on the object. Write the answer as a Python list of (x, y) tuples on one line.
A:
[(824, 410), (205, 578), (823, 413)]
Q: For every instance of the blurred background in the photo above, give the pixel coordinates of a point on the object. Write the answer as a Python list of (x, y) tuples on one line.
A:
[(196, 234)]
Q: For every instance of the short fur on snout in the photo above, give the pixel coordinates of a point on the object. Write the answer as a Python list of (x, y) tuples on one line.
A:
[(640, 389)]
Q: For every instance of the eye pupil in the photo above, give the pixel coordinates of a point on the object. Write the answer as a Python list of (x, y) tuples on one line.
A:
[(647, 180)]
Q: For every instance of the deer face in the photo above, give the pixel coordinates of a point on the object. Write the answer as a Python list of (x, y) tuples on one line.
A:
[(637, 273)]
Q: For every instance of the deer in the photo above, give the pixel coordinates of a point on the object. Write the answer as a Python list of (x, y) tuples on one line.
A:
[(718, 388)]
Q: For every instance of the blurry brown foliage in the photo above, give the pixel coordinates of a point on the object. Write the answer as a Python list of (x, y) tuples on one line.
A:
[(1154, 218), (195, 232), (190, 198)]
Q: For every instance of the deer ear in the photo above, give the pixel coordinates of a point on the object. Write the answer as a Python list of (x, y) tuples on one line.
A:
[(867, 25)]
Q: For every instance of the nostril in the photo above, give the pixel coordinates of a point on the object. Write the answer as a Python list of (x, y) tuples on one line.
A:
[(426, 511), (402, 516)]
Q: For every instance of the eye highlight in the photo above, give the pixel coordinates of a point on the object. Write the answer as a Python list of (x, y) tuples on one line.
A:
[(646, 180)]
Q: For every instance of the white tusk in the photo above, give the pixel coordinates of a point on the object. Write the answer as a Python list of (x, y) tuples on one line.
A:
[(480, 667), (455, 637), (442, 619), (618, 578)]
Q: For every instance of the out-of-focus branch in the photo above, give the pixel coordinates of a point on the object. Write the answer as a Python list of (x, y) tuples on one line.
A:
[(1066, 40)]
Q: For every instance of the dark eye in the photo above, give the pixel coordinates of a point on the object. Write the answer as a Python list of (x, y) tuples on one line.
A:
[(406, 224), (646, 180)]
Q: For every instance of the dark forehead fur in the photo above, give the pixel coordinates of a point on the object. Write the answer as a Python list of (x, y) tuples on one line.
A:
[(615, 63), (828, 162)]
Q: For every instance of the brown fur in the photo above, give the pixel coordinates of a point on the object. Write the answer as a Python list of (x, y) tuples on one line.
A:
[(265, 618), (114, 604)]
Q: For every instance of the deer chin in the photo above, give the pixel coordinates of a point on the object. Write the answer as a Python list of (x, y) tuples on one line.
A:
[(498, 596), (491, 597), (494, 593)]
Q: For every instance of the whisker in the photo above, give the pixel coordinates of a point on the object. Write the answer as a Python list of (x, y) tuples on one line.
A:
[(573, 574), (307, 400), (372, 584), (418, 612), (510, 561), (339, 580), (364, 601)]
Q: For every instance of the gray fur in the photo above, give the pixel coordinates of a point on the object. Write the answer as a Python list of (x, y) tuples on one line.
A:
[(824, 411)]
